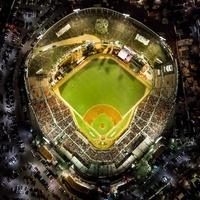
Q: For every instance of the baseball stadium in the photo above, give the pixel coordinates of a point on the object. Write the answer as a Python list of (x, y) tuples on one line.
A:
[(102, 88)]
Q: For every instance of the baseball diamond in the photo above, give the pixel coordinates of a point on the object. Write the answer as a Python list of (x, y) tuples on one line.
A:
[(97, 110), (97, 91)]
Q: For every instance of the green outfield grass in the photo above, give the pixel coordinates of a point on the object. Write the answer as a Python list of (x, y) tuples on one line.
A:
[(102, 81)]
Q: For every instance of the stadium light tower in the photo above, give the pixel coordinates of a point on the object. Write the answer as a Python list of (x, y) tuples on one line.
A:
[(76, 10), (162, 38), (126, 15)]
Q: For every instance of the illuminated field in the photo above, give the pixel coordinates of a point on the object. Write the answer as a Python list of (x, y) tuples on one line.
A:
[(102, 96)]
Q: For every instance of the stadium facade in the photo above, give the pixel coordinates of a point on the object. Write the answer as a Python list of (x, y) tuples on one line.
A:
[(66, 45)]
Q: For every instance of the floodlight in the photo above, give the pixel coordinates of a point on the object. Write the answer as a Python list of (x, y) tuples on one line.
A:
[(158, 139), (46, 140), (126, 15), (162, 38), (76, 10)]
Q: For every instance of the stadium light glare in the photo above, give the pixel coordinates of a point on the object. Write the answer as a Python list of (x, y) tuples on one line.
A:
[(158, 139), (126, 15), (39, 71), (46, 140), (133, 165), (162, 38), (76, 10)]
